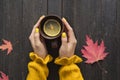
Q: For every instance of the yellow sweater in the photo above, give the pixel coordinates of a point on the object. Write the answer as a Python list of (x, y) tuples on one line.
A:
[(38, 69)]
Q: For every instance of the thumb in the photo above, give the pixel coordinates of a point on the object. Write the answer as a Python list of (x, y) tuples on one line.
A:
[(64, 39)]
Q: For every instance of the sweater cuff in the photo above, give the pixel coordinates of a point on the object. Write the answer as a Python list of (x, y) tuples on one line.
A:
[(67, 61), (38, 59)]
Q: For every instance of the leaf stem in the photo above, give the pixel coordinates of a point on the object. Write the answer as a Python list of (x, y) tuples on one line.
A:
[(103, 69)]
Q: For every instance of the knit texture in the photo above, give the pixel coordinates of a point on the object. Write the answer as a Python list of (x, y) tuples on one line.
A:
[(37, 68), (69, 70)]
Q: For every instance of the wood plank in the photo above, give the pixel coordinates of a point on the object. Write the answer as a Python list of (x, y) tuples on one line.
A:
[(32, 10), (68, 11), (109, 24), (12, 20), (87, 21), (54, 8), (1, 18), (117, 40)]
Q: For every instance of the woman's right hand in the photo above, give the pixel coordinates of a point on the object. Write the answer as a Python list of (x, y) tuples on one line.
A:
[(69, 41), (38, 44)]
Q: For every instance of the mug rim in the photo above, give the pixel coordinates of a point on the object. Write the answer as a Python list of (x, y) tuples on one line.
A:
[(46, 18)]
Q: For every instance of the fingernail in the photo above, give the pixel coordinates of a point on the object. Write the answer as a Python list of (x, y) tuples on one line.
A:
[(63, 35), (42, 16), (37, 30), (64, 19)]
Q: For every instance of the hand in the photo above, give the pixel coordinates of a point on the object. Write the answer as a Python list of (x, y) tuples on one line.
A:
[(37, 43), (69, 41)]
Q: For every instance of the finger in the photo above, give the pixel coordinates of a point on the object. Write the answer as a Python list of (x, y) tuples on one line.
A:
[(37, 37), (38, 22), (32, 42), (64, 39), (31, 37), (36, 25), (70, 30)]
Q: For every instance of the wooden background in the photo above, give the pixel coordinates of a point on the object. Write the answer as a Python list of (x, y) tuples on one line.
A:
[(98, 18)]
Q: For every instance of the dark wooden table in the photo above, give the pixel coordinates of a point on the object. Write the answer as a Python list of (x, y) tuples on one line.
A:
[(98, 18)]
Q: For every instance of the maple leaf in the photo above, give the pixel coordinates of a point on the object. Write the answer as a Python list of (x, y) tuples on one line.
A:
[(3, 76), (92, 51), (6, 46)]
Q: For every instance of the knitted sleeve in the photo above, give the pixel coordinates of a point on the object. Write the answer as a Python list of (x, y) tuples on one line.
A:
[(38, 67), (69, 70)]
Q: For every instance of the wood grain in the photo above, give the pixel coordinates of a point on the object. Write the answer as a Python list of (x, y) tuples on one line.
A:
[(100, 19)]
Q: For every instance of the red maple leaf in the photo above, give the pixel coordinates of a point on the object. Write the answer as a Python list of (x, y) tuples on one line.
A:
[(3, 76), (93, 52), (6, 45)]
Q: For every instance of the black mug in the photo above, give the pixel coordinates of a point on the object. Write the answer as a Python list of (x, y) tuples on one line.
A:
[(51, 28)]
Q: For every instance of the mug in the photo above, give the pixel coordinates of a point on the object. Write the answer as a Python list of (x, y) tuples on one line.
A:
[(51, 28)]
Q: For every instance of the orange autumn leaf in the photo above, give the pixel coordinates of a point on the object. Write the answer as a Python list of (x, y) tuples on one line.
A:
[(6, 46), (93, 52), (3, 76)]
